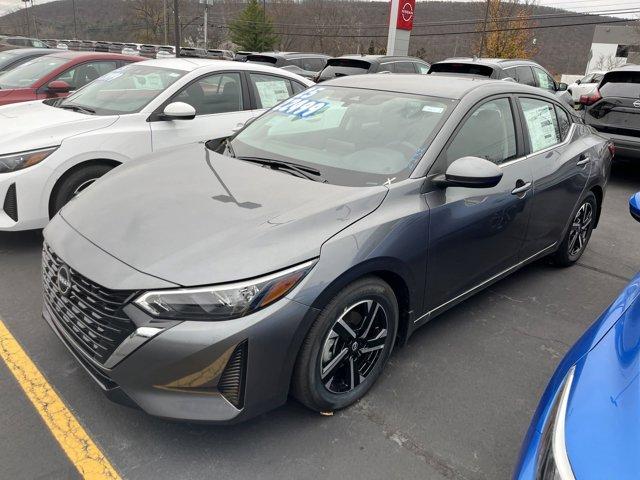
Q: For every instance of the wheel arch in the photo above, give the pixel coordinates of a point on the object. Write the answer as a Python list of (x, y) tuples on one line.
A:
[(598, 191), (73, 169)]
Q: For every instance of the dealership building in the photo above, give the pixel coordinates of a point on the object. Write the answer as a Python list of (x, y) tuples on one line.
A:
[(613, 46)]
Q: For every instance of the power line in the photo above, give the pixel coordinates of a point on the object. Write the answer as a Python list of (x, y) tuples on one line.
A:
[(434, 34)]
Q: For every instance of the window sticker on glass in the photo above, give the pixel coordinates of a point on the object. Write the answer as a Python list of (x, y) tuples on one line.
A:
[(301, 105), (272, 92), (110, 76), (541, 123)]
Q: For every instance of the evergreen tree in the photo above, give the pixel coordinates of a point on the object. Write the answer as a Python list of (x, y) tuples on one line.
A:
[(253, 30)]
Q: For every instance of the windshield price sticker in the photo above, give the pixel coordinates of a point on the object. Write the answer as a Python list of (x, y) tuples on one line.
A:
[(110, 76), (302, 108), (301, 105)]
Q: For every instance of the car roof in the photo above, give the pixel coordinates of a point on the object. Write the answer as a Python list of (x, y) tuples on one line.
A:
[(74, 55), (380, 58), (493, 62), (629, 67), (190, 64), (27, 52), (432, 85)]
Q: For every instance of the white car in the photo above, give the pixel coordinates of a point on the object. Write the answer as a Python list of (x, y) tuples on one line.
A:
[(51, 150), (585, 85)]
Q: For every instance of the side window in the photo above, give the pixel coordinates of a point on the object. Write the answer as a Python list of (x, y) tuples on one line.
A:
[(488, 133), (422, 68), (525, 76), (269, 90), (542, 124), (313, 64), (511, 72), (564, 122), (84, 73), (405, 67), (544, 80), (219, 93), (297, 87), (387, 67)]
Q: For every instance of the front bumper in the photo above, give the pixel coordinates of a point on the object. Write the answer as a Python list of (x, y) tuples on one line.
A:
[(31, 195), (177, 374)]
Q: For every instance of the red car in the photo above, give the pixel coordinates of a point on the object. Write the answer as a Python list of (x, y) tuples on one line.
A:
[(57, 74)]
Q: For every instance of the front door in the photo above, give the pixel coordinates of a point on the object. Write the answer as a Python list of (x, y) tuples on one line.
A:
[(477, 233), (560, 166), (219, 101)]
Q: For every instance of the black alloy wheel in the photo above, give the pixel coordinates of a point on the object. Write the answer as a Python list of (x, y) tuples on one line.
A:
[(347, 347)]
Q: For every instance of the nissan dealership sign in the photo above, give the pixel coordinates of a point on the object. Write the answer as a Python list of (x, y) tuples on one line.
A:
[(406, 9)]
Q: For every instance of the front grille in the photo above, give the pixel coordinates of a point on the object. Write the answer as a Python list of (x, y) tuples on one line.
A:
[(89, 314), (231, 383), (10, 205)]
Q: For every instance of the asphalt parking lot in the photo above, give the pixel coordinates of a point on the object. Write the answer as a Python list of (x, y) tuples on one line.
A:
[(454, 403)]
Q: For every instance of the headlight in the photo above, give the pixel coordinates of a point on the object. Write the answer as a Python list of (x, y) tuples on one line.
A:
[(18, 161), (553, 461), (222, 302)]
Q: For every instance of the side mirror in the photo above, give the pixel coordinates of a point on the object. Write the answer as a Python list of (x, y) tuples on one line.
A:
[(470, 172), (179, 111), (634, 206), (58, 86), (562, 86)]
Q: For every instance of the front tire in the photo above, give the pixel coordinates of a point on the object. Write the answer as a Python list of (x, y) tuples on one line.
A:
[(347, 347), (75, 183), (575, 241)]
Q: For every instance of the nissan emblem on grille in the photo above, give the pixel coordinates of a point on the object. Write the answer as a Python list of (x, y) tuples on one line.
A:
[(64, 280)]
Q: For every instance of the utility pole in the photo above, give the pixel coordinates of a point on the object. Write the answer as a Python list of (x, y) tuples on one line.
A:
[(26, 12), (35, 23), (176, 27), (484, 27), (165, 22), (75, 21), (206, 23)]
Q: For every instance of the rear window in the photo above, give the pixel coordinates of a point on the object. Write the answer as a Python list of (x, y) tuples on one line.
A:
[(262, 59), (462, 69), (621, 84), (340, 67)]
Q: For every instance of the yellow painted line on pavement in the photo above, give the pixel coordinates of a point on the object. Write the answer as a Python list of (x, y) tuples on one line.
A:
[(85, 455)]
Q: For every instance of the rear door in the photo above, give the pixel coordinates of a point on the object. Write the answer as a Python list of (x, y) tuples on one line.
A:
[(619, 110), (561, 164), (221, 101)]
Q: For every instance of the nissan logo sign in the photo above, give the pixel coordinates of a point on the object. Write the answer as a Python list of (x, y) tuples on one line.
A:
[(636, 104), (64, 280), (407, 12)]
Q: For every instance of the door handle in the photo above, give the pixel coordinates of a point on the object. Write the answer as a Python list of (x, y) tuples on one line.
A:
[(521, 188), (584, 159)]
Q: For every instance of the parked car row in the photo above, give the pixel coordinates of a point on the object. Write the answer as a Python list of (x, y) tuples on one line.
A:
[(220, 235)]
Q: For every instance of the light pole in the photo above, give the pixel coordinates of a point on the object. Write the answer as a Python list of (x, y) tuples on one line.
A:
[(165, 22), (35, 22), (484, 27), (26, 12), (75, 22), (176, 27)]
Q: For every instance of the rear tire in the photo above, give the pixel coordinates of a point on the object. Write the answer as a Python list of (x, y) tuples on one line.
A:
[(577, 237), (347, 347), (75, 183)]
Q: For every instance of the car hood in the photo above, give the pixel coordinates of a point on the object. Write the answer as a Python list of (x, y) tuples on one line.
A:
[(603, 414), (193, 217), (31, 125)]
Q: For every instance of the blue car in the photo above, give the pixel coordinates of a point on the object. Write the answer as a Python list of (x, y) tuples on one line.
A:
[(587, 425)]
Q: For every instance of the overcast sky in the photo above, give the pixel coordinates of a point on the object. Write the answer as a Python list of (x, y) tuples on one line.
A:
[(575, 5)]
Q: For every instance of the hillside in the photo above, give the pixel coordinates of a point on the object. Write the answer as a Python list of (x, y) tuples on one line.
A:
[(329, 26)]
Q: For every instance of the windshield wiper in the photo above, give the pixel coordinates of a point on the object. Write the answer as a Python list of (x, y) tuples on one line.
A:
[(301, 170), (78, 108)]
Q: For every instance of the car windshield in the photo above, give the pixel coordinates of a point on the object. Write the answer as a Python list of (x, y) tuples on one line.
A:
[(29, 73), (352, 136), (126, 90)]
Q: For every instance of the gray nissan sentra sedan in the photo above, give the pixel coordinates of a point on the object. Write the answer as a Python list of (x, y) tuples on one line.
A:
[(208, 286)]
